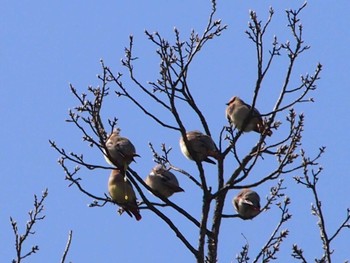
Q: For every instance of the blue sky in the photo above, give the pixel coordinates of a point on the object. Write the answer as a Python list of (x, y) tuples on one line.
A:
[(47, 45)]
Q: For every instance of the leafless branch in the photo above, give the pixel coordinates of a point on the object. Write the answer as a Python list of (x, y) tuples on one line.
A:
[(272, 246), (297, 253), (66, 250), (35, 216), (310, 182)]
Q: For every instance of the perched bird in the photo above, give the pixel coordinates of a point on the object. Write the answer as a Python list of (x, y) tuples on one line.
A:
[(201, 145), (237, 112), (122, 193), (162, 181), (121, 151), (247, 203)]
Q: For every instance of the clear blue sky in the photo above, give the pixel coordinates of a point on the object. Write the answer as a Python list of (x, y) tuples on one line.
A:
[(45, 45)]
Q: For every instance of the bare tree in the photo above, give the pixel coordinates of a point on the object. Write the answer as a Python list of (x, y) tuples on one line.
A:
[(170, 91)]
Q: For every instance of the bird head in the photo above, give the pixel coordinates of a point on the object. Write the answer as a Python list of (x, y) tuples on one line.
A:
[(231, 100)]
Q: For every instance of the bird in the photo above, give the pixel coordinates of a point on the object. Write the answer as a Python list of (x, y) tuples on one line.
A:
[(120, 150), (247, 203), (201, 145), (237, 112), (162, 181), (122, 193)]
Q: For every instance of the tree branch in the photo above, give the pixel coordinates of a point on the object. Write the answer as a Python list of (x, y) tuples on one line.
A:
[(34, 217), (69, 241)]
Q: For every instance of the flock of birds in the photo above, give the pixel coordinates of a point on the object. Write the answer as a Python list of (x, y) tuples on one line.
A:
[(121, 152)]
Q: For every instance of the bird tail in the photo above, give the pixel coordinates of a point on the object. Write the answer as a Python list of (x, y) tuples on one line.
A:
[(215, 154), (135, 155), (131, 211), (209, 161), (136, 213), (178, 189)]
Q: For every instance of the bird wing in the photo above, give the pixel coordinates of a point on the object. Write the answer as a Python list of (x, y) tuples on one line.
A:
[(255, 112), (245, 201), (171, 182)]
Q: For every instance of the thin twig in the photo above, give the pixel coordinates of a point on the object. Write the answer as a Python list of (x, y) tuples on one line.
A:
[(69, 241)]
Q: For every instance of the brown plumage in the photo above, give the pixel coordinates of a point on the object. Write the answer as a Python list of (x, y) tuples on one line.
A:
[(122, 193), (237, 112), (121, 151), (201, 145), (163, 182), (247, 203)]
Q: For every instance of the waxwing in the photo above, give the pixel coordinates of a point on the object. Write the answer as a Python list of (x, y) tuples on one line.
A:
[(247, 203), (121, 151), (122, 193), (162, 181), (237, 112), (202, 146)]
